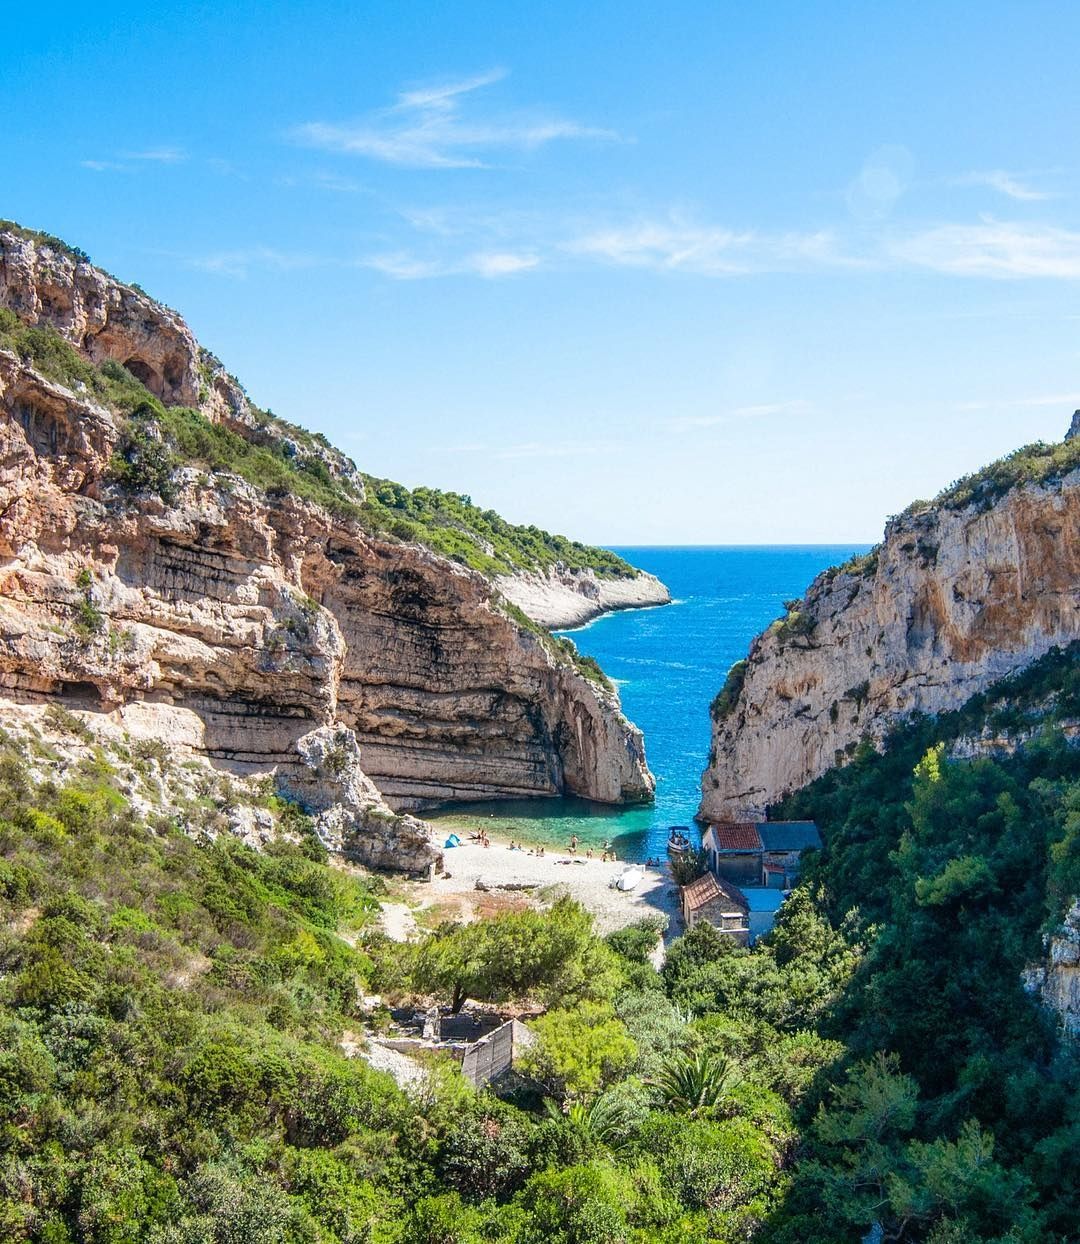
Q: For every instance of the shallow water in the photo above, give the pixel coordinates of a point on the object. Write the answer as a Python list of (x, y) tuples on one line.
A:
[(668, 662)]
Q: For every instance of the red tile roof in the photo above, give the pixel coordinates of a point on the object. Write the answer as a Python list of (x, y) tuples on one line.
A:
[(710, 887), (736, 836)]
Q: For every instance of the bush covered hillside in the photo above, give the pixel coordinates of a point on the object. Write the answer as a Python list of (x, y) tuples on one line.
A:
[(181, 1016), (176, 1010)]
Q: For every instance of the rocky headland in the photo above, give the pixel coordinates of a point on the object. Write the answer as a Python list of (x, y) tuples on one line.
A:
[(179, 563), (562, 599)]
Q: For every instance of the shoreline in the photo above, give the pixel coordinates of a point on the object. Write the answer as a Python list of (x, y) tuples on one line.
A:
[(613, 609), (553, 832)]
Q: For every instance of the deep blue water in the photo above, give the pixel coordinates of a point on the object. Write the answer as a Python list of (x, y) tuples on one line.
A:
[(669, 662)]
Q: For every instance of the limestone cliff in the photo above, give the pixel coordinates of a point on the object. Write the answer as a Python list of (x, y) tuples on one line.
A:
[(258, 616), (1057, 979), (960, 593), (562, 599)]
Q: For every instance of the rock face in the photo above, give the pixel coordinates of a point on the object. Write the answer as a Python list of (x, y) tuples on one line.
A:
[(350, 814), (1057, 980), (100, 316), (562, 599), (951, 601), (264, 618)]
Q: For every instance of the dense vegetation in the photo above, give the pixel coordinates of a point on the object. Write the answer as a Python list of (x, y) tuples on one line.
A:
[(951, 871), (172, 1007), (1037, 463)]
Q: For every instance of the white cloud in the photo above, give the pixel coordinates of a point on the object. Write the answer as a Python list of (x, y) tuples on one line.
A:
[(993, 248), (155, 155), (158, 155), (429, 127), (501, 263), (404, 266), (320, 180), (1012, 185), (706, 250)]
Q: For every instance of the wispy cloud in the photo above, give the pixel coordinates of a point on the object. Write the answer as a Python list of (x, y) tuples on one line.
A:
[(760, 410), (405, 266), (240, 262), (123, 161), (431, 127), (993, 248), (1013, 185), (158, 155), (708, 250)]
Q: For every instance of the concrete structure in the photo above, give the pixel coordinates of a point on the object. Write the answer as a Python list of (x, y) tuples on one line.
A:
[(483, 1043), (719, 903), (762, 903)]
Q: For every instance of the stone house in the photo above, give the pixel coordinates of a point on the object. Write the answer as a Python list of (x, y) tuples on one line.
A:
[(759, 853), (733, 851), (718, 902)]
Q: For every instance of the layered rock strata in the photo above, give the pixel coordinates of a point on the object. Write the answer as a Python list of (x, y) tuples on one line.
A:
[(952, 600), (262, 618)]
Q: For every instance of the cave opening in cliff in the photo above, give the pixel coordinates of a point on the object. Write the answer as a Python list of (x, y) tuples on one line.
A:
[(144, 373)]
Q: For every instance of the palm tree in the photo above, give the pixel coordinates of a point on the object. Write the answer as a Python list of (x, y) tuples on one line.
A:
[(692, 1082), (605, 1120)]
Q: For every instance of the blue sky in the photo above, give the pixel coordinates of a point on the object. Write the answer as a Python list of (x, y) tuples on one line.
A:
[(642, 273)]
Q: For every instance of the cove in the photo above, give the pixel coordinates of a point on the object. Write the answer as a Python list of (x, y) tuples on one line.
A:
[(668, 663)]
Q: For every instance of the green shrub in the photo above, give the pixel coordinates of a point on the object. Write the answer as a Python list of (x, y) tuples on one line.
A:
[(728, 695)]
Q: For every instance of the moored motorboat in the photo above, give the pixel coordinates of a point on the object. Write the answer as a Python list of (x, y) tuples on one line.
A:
[(679, 840)]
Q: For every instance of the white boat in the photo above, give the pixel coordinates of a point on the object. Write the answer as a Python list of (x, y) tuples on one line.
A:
[(630, 879)]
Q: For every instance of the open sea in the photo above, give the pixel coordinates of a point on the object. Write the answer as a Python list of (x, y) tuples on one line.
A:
[(668, 663)]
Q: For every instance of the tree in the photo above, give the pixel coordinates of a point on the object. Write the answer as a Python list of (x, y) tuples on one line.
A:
[(579, 1051), (552, 955)]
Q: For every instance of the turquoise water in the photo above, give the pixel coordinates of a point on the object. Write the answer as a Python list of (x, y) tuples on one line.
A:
[(668, 663)]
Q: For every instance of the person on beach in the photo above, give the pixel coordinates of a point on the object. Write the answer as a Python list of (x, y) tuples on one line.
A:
[(588, 853), (573, 843)]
